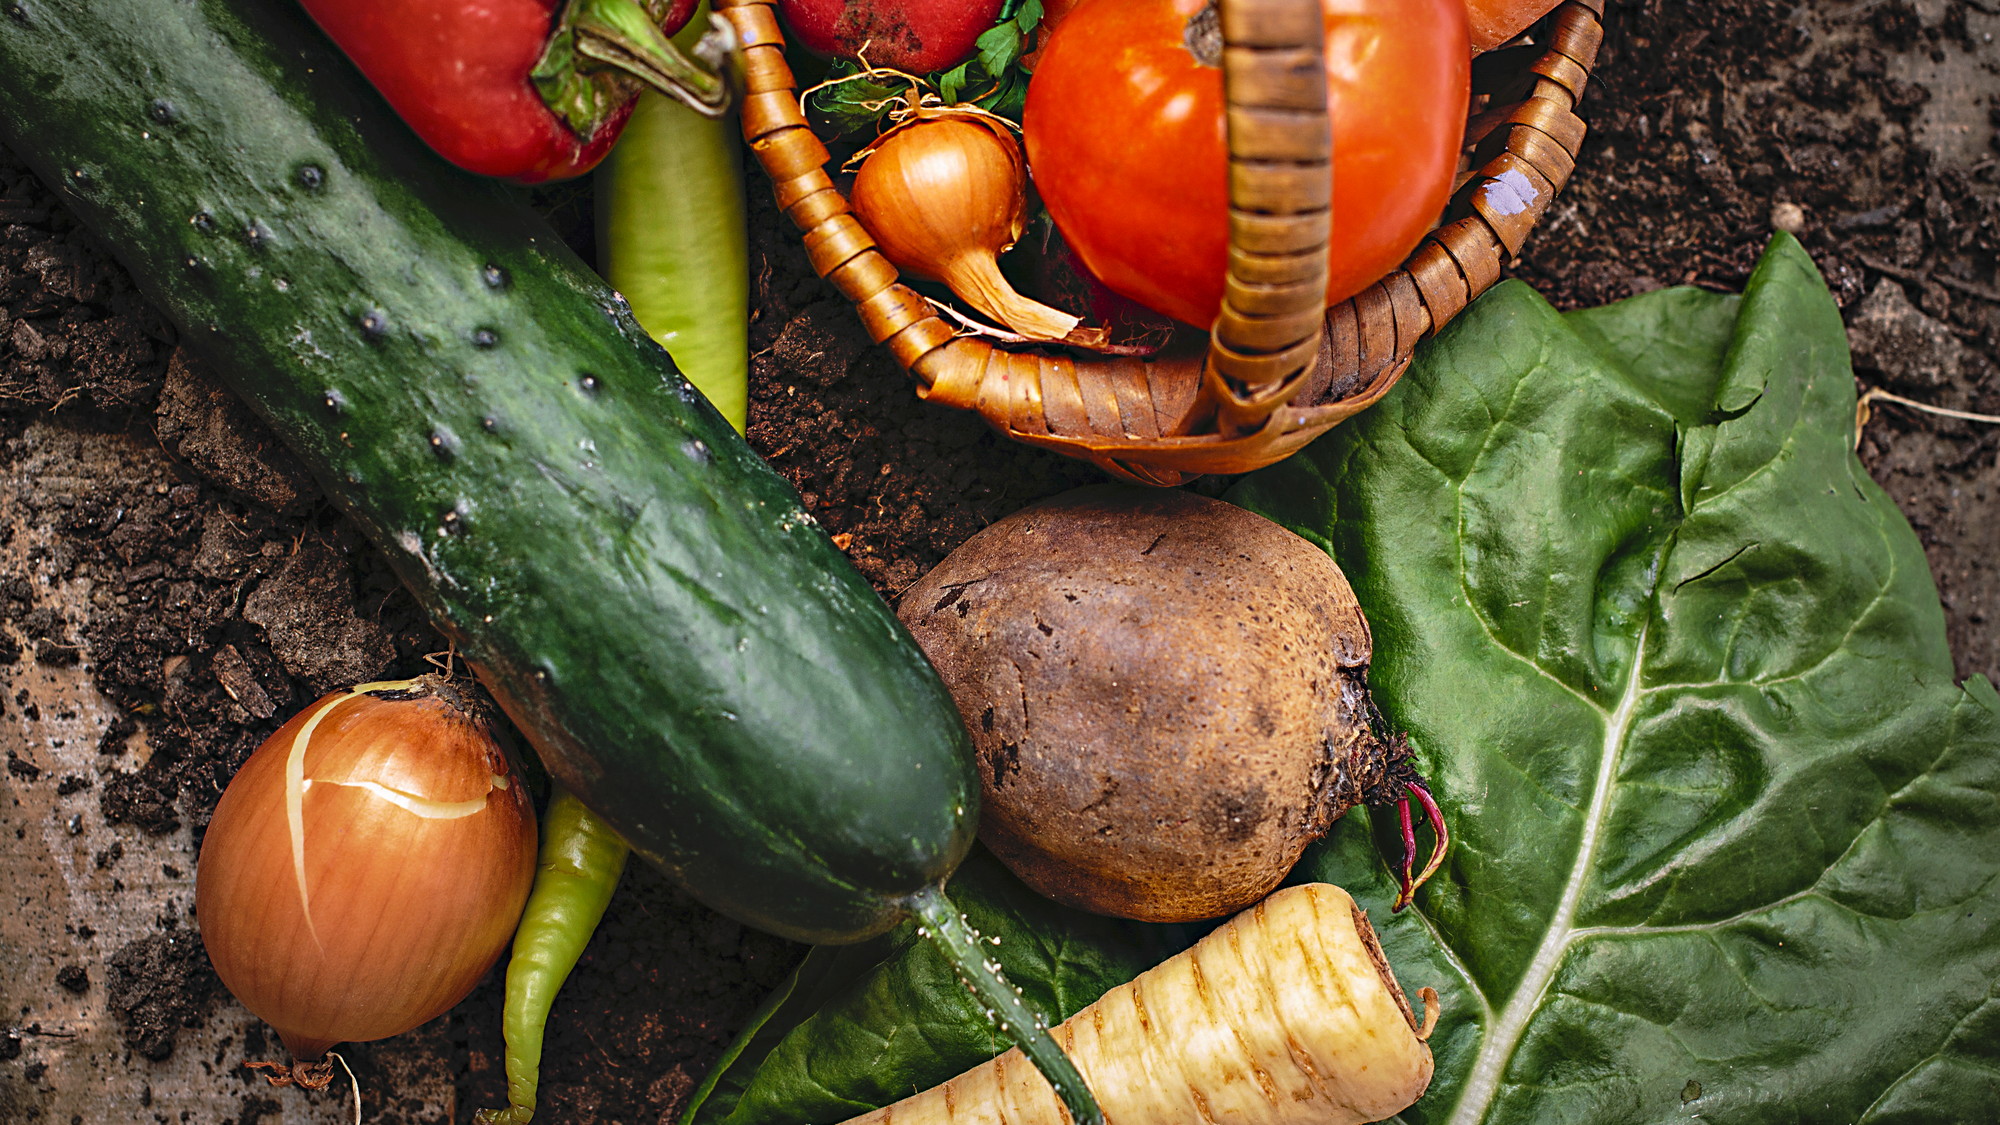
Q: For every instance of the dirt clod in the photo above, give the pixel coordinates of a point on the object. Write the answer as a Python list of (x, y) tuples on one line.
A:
[(158, 985), (219, 437), (143, 798), (307, 609), (1910, 351)]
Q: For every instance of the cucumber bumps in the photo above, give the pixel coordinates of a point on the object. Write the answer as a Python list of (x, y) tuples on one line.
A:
[(687, 651)]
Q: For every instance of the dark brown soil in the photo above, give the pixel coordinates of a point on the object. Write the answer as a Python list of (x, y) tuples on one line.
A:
[(224, 592)]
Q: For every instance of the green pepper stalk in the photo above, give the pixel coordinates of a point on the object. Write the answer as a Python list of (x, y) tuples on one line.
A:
[(672, 237)]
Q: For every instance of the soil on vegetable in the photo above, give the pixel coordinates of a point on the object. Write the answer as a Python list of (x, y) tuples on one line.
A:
[(220, 592)]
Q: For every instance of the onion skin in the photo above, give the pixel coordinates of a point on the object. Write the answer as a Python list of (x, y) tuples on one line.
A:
[(416, 840)]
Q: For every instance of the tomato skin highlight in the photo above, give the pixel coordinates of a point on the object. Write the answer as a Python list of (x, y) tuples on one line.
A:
[(1125, 137)]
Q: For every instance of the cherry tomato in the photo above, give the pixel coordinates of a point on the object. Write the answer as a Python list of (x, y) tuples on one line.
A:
[(1124, 128)]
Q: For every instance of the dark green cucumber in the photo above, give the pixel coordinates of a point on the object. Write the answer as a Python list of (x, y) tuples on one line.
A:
[(649, 602)]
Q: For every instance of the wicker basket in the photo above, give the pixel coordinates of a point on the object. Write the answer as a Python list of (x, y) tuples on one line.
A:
[(1280, 368)]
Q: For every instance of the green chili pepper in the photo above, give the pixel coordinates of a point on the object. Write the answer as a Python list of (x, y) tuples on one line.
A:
[(672, 238), (580, 862)]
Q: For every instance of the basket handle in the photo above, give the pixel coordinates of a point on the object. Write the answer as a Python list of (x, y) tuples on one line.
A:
[(1273, 314), (1275, 373), (1264, 340)]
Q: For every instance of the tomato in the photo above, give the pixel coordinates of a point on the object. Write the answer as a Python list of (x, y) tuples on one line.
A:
[(1124, 129), (1496, 21), (1053, 13)]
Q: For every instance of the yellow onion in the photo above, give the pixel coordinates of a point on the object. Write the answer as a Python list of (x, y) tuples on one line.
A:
[(945, 194), (367, 865)]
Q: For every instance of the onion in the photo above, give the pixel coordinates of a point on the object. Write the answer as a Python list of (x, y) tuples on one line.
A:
[(367, 865), (944, 194)]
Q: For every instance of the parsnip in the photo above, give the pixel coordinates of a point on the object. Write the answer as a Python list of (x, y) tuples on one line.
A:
[(1285, 1015)]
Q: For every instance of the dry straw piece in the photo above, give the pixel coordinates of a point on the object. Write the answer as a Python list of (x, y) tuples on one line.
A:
[(1278, 369)]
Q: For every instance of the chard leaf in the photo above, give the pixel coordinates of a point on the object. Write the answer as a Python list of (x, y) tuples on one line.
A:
[(1726, 832)]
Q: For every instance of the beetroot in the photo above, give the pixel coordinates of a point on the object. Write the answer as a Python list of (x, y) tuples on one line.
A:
[(918, 36), (1167, 697)]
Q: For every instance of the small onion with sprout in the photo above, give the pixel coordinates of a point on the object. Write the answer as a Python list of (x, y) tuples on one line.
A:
[(944, 193), (366, 866)]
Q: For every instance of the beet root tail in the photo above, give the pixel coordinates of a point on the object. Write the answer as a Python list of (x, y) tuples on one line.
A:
[(1407, 885)]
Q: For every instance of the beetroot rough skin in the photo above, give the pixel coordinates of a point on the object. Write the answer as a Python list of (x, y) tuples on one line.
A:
[(918, 36), (1167, 697)]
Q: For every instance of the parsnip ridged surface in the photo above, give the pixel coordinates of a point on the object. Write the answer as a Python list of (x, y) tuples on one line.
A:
[(1285, 1015)]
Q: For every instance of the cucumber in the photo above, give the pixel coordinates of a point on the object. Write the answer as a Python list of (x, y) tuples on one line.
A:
[(647, 600)]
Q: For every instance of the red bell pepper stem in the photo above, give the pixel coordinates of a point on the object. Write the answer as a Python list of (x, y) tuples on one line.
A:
[(620, 35)]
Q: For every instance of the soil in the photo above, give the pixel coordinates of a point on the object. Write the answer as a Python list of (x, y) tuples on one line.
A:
[(172, 585)]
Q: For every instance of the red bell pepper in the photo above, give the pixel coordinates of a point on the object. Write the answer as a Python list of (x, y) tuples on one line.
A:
[(526, 90)]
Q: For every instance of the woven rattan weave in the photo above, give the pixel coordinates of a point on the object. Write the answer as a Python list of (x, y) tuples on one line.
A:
[(1279, 369)]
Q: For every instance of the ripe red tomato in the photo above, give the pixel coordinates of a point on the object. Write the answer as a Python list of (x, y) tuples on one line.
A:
[(1496, 21), (1124, 129), (1053, 13)]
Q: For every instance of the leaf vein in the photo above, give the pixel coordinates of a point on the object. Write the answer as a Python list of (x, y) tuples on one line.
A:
[(1497, 1047), (1922, 1062)]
